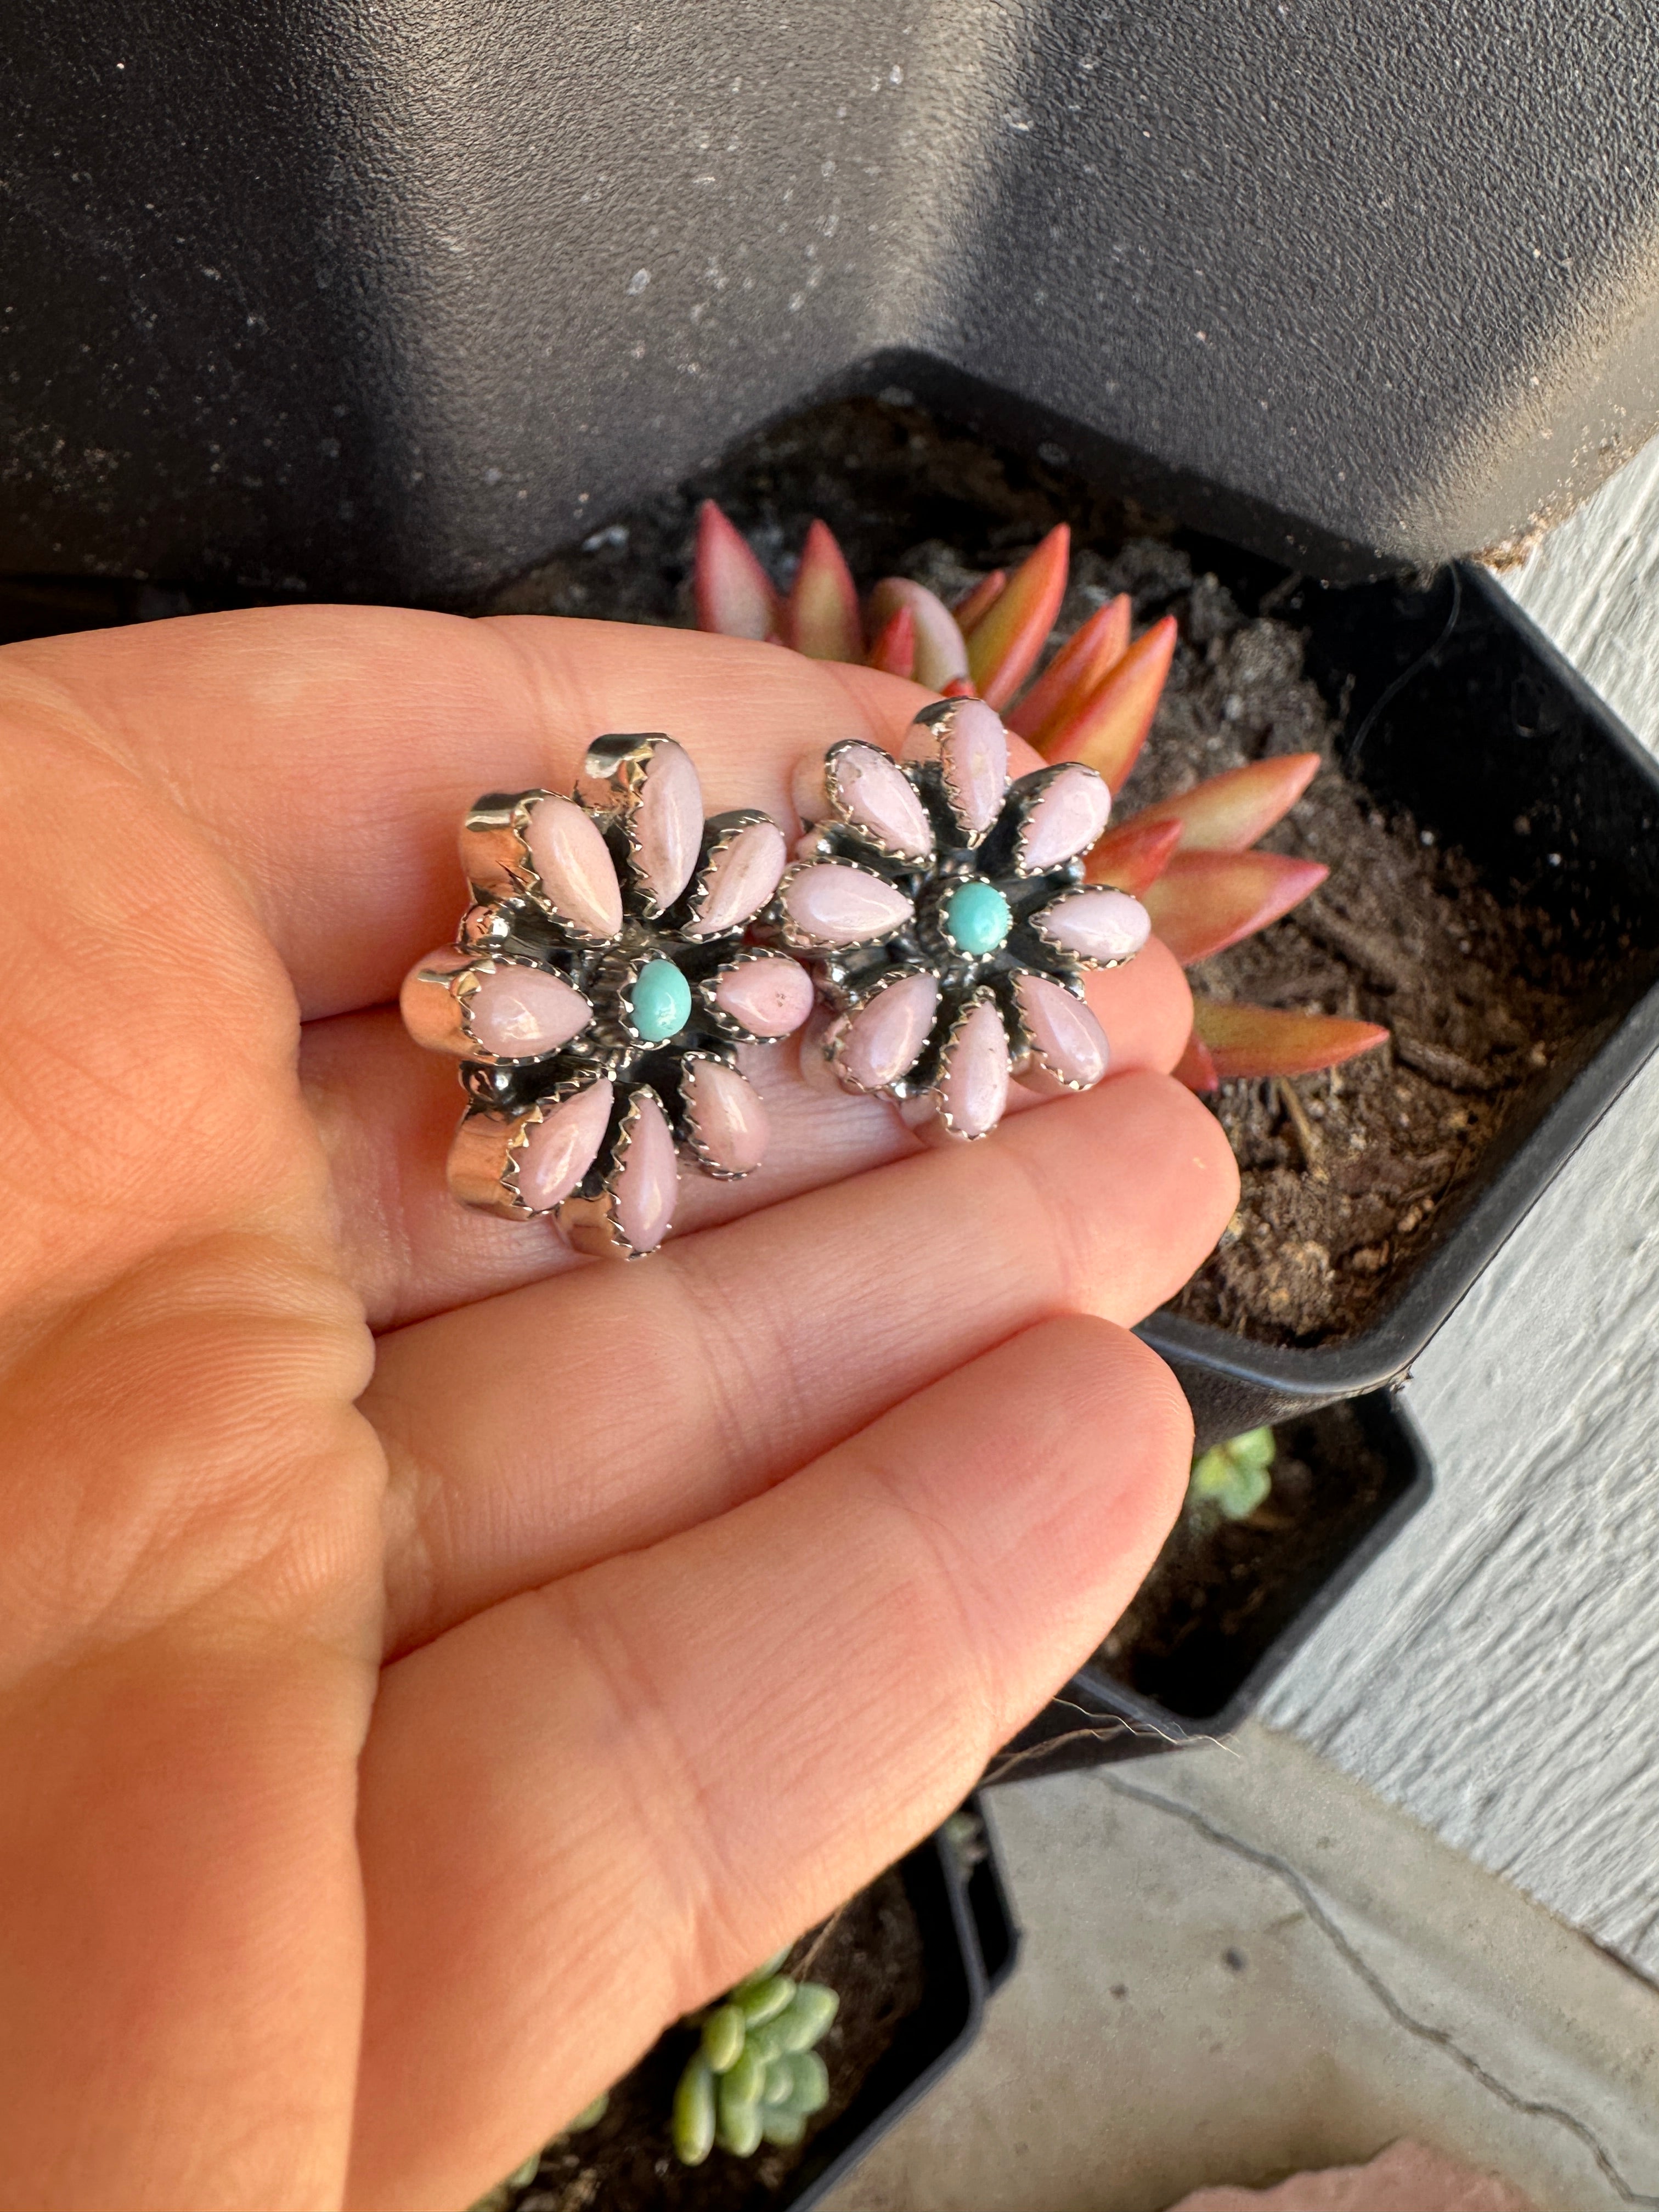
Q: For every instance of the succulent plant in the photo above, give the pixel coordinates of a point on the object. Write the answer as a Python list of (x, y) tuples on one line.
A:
[(1234, 1478), (1190, 858), (756, 2075)]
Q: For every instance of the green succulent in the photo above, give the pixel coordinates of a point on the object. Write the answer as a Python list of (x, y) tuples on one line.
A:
[(1236, 1476), (756, 2075)]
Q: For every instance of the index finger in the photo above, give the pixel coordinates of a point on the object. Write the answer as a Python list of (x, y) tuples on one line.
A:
[(331, 752)]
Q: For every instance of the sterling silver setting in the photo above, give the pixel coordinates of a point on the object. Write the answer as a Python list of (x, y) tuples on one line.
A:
[(1009, 841), (590, 999)]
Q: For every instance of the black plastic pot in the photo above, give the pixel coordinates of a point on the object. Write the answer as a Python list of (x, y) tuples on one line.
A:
[(970, 1944), (1460, 710), (1215, 1681), (989, 1898)]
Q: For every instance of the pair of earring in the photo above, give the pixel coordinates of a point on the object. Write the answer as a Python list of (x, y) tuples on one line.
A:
[(620, 948)]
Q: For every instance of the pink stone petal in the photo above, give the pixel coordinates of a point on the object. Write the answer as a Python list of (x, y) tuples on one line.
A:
[(975, 758), (1064, 1032), (834, 904), (873, 795), (742, 875), (879, 1043), (578, 875), (770, 998), (728, 1121), (647, 1180), (1069, 818), (667, 825), (973, 1084), (1106, 926), (561, 1147), (520, 1014)]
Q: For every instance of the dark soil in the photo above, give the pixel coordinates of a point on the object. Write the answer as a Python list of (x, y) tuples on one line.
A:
[(1222, 1590), (1343, 1172), (871, 1953)]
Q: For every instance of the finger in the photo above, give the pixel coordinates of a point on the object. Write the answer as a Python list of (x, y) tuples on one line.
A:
[(598, 1804), (331, 752), (516, 1456), (388, 1115)]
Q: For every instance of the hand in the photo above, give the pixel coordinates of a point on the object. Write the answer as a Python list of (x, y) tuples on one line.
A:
[(431, 1664)]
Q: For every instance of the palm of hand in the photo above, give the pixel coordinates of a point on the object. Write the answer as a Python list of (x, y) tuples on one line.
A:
[(396, 1740)]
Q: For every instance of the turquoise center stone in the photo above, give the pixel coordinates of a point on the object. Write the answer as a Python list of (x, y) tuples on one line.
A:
[(661, 1004), (977, 917)]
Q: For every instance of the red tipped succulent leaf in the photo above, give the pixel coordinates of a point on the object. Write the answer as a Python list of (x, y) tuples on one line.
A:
[(1245, 1040), (1005, 641), (1133, 858), (1110, 728), (1205, 901), (823, 615), (972, 604), (959, 687), (1228, 813), (733, 592), (894, 651), (941, 651), (1080, 666), (1196, 1067)]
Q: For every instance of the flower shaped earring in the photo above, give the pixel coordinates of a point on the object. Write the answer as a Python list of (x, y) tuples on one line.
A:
[(598, 991), (946, 918)]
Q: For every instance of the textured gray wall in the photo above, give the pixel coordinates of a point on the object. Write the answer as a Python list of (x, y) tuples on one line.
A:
[(1498, 1673), (396, 297)]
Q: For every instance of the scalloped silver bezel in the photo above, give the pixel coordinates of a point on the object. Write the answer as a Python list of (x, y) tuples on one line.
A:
[(939, 718), (1024, 799), (726, 1023), (437, 1010), (710, 1167), (862, 830), (984, 996), (849, 1002), (495, 854), (591, 1224), (617, 766), (618, 974), (1029, 1054), (728, 828), (482, 1166), (796, 942), (1069, 952)]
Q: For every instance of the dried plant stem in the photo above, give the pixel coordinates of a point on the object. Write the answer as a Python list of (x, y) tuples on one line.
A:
[(1306, 1135), (804, 1968)]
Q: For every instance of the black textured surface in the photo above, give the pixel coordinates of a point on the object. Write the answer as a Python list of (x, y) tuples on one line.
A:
[(393, 300)]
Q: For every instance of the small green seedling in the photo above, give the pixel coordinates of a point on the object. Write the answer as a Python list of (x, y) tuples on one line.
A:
[(1234, 1477), (756, 2076)]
